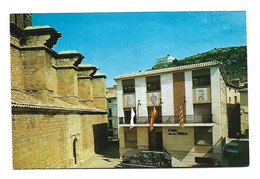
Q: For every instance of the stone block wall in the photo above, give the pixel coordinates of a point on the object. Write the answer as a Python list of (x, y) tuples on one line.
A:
[(17, 81), (46, 140), (99, 92), (40, 141), (49, 127), (85, 91)]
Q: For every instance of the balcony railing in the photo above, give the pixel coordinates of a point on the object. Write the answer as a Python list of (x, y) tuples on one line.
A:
[(173, 119)]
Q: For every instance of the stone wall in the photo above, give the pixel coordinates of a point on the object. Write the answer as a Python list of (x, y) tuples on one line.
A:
[(51, 128), (40, 141), (46, 140), (99, 92)]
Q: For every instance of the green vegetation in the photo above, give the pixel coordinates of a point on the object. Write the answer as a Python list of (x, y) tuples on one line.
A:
[(153, 158), (234, 60)]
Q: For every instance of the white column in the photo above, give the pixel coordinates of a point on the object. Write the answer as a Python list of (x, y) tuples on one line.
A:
[(120, 110), (215, 94), (215, 108), (188, 93), (140, 94), (167, 94)]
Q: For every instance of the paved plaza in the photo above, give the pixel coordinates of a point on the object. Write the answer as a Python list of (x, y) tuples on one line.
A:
[(108, 158)]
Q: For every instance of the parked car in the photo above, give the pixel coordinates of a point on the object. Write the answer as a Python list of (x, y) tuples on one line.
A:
[(231, 149), (113, 140)]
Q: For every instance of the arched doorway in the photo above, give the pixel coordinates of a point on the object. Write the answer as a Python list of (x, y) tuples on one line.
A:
[(75, 150)]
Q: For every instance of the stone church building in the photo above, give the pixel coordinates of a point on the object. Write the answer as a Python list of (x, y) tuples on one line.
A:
[(59, 116)]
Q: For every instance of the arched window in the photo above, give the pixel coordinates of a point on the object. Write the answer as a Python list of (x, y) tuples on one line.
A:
[(75, 150)]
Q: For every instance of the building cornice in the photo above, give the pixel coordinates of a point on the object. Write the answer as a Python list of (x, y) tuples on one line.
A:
[(70, 55), (19, 107), (85, 77), (175, 70), (44, 30), (52, 52), (65, 67), (99, 76)]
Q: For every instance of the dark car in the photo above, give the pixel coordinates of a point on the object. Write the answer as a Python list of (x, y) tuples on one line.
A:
[(231, 149)]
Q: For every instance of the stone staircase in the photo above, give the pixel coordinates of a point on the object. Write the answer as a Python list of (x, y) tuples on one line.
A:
[(177, 163)]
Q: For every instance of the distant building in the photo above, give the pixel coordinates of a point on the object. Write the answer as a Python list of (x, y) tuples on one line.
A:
[(111, 95), (235, 82), (166, 59), (244, 111), (233, 110), (201, 91), (233, 95)]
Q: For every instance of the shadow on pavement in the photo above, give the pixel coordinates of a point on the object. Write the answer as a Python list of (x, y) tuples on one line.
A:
[(111, 151)]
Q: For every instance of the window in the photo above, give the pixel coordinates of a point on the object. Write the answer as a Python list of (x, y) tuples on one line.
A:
[(109, 101), (201, 77), (109, 123), (128, 89), (153, 86), (128, 86), (153, 83), (229, 99), (201, 80), (203, 136), (109, 112), (235, 99), (75, 150)]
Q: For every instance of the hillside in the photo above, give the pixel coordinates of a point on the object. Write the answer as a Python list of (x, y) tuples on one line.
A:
[(234, 61)]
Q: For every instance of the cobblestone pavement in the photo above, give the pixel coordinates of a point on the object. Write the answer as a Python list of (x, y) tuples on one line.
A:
[(106, 159)]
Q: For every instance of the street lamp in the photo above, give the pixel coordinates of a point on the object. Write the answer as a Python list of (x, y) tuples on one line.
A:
[(160, 102), (138, 104)]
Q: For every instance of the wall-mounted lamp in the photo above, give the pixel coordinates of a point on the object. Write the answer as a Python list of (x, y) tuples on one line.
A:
[(160, 102), (139, 103)]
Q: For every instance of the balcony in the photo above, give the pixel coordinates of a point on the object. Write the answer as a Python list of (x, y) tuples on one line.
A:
[(174, 119)]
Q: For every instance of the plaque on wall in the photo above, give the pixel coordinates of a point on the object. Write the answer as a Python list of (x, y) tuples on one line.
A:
[(129, 100), (153, 98), (201, 94)]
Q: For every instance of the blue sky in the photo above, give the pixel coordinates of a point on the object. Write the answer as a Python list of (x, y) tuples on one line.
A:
[(122, 43)]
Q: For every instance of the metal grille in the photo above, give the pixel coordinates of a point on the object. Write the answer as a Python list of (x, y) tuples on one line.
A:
[(173, 119)]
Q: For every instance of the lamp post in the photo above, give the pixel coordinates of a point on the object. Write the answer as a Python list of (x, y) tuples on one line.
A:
[(138, 104), (160, 102)]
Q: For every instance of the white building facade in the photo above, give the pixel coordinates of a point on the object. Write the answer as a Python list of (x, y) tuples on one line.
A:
[(201, 91)]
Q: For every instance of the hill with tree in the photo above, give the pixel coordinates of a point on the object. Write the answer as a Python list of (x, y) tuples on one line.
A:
[(234, 60)]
